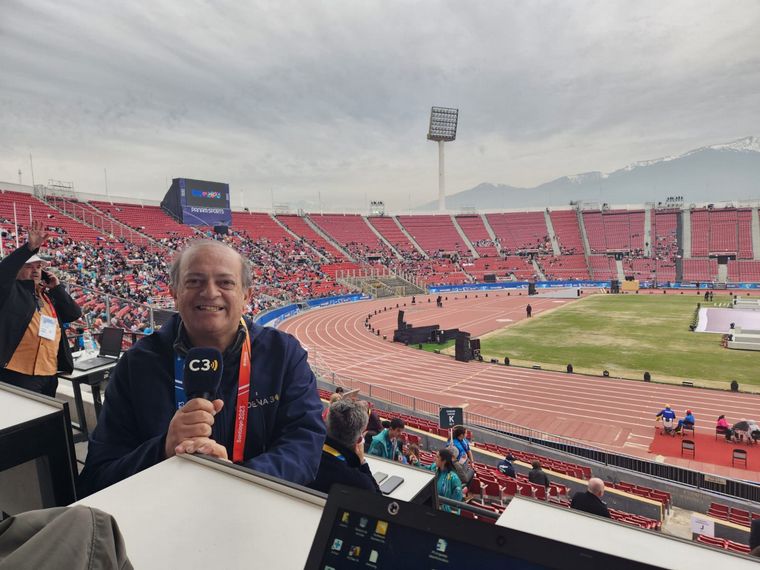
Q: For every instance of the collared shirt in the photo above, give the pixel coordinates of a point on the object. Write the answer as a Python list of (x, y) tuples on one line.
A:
[(34, 355)]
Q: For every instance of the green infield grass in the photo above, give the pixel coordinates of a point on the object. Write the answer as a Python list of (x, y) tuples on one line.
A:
[(626, 335)]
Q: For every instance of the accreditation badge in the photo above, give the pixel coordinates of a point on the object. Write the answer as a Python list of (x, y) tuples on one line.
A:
[(47, 327)]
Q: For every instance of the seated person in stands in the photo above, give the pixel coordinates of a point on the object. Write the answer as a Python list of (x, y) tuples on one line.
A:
[(464, 454), (668, 417), (537, 476), (343, 451), (507, 467), (687, 421), (590, 501), (446, 480), (386, 444)]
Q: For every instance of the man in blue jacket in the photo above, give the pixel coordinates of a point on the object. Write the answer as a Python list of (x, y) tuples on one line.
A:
[(142, 422)]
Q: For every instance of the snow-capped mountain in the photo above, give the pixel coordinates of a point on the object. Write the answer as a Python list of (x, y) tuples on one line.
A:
[(721, 172)]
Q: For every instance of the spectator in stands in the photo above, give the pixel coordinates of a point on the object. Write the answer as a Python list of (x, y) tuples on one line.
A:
[(687, 421), (34, 306), (333, 398), (374, 427), (412, 454), (590, 501), (464, 453), (143, 420), (446, 479), (386, 444), (537, 476), (343, 451), (507, 467)]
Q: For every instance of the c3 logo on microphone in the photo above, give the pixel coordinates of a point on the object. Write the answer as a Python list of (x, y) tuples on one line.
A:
[(203, 365)]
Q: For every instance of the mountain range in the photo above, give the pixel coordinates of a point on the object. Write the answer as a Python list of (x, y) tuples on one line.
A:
[(722, 172)]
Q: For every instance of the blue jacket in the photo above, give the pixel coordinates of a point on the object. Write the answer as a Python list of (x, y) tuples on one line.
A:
[(667, 414), (285, 427)]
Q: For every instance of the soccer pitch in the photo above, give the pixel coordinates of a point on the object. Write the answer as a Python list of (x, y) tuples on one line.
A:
[(626, 335)]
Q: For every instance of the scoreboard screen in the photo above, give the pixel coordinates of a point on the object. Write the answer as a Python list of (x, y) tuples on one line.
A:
[(207, 194)]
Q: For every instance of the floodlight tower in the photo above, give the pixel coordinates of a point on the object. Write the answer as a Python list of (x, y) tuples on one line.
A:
[(443, 128)]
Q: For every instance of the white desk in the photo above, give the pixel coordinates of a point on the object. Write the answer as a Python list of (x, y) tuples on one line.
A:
[(188, 512), (37, 462), (601, 535), (17, 407), (416, 480)]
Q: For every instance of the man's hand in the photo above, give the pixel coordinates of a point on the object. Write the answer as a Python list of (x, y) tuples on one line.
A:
[(191, 424), (203, 445), (359, 449), (37, 235), (52, 280)]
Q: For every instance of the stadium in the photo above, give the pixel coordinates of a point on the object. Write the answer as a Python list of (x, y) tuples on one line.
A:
[(300, 286)]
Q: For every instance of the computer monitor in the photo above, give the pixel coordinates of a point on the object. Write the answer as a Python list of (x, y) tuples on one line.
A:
[(359, 529)]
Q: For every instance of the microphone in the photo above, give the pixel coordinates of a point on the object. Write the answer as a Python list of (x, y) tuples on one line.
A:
[(203, 373)]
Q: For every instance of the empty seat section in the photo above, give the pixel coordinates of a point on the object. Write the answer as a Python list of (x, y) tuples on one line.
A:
[(475, 230), (151, 220), (300, 227), (521, 232), (392, 233), (434, 234), (353, 234)]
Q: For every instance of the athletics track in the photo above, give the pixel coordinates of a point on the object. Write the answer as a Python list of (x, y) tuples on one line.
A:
[(613, 414)]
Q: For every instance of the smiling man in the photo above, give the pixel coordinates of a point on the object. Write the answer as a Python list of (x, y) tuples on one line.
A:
[(144, 418)]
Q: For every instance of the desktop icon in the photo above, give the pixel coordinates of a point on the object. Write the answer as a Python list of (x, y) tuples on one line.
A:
[(355, 551), (337, 545), (441, 545), (373, 556), (381, 528), (363, 522), (345, 517)]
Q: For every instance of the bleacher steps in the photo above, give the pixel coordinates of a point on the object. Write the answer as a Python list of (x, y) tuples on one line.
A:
[(722, 272), (552, 236), (538, 270), (648, 232), (686, 233), (584, 235), (297, 238), (620, 271), (755, 235), (382, 238), (491, 233), (328, 238), (410, 238), (464, 237)]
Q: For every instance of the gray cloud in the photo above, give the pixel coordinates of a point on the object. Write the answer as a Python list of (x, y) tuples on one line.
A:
[(301, 98)]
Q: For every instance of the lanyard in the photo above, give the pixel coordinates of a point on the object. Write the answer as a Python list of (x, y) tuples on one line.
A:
[(334, 452), (243, 393), (48, 303)]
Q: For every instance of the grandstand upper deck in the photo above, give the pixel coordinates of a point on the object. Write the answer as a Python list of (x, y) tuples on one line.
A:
[(434, 233)]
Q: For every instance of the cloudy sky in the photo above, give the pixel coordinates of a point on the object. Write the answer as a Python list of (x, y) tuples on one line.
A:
[(296, 100)]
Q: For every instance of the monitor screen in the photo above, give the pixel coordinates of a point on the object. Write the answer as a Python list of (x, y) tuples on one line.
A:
[(207, 194), (361, 541)]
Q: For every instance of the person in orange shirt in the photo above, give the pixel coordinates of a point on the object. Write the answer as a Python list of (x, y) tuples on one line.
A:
[(33, 308)]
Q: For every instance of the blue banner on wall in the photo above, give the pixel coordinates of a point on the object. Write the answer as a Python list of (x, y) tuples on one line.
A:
[(274, 317)]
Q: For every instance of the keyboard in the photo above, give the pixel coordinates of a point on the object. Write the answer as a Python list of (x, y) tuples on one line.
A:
[(94, 362)]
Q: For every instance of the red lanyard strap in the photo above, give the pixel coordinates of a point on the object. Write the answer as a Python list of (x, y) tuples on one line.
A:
[(243, 394)]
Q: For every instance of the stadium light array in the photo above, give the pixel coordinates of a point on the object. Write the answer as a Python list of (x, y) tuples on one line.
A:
[(443, 128)]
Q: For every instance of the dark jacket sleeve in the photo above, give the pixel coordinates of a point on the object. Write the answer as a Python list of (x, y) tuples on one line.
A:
[(295, 447), (10, 266), (117, 450), (65, 306)]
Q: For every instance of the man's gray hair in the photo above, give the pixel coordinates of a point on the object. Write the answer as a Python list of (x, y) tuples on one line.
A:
[(176, 265), (346, 420)]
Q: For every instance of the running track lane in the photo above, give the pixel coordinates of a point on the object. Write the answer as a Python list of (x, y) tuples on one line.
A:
[(609, 413)]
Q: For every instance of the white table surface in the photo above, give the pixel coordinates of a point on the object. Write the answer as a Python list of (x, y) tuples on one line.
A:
[(16, 409), (184, 513), (415, 478), (596, 533), (76, 374)]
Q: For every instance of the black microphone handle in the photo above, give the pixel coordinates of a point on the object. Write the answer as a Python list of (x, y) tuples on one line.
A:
[(205, 395)]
